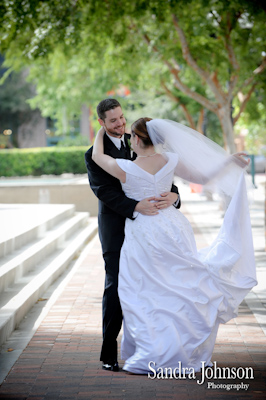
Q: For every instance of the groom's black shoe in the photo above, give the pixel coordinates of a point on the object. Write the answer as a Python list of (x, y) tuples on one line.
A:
[(111, 366)]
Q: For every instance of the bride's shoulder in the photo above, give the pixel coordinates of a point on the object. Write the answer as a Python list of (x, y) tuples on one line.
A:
[(126, 165), (172, 157)]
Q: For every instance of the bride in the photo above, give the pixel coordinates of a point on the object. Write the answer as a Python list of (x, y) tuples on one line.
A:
[(174, 297)]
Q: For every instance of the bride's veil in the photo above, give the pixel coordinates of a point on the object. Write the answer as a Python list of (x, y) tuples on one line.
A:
[(200, 160)]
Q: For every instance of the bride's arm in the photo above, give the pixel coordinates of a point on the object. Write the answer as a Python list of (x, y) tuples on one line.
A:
[(106, 162)]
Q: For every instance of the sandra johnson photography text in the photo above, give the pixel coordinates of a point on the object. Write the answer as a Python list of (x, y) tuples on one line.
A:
[(214, 372)]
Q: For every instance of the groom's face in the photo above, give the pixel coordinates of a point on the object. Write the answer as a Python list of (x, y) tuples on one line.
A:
[(114, 122)]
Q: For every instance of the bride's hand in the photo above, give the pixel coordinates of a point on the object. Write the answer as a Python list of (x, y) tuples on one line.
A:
[(240, 160)]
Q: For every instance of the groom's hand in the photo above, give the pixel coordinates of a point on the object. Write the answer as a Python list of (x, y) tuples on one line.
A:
[(166, 200), (147, 206)]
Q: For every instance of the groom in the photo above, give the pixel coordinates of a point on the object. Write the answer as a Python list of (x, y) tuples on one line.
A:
[(114, 208)]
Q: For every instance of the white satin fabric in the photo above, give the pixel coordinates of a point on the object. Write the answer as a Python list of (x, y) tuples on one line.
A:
[(172, 296)]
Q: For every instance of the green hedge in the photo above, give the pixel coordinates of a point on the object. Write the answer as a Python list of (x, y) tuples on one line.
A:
[(42, 161)]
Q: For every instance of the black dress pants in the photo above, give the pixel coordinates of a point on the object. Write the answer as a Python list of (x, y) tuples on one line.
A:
[(111, 308)]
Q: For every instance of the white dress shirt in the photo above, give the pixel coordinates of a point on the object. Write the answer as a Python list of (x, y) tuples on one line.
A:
[(116, 141)]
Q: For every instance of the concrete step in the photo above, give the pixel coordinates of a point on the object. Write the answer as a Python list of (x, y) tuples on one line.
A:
[(17, 264), (23, 223), (18, 298)]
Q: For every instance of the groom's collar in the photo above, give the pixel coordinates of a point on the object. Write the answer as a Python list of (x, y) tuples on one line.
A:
[(116, 141)]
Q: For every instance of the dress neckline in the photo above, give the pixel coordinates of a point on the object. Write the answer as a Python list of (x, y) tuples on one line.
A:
[(149, 172)]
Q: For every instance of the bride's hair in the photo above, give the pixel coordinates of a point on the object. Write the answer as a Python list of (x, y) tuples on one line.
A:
[(139, 128)]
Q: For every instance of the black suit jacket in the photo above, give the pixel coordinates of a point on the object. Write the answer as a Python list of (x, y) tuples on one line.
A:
[(114, 205)]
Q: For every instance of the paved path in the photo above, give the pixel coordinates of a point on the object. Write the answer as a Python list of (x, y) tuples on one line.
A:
[(61, 359)]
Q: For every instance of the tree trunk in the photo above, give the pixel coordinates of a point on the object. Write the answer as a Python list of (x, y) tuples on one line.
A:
[(200, 121), (224, 115)]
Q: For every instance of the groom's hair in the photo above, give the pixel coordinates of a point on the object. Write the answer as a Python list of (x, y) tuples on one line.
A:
[(106, 105)]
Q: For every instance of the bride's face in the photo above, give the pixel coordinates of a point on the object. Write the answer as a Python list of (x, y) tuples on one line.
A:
[(133, 143)]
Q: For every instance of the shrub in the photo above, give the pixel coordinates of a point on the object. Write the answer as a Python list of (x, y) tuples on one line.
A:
[(42, 161)]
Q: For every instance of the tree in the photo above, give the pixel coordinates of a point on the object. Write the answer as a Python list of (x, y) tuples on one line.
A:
[(64, 83), (253, 122), (204, 54), (14, 109)]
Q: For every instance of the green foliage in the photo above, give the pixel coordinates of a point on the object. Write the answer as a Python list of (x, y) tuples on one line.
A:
[(42, 161), (253, 122), (212, 128), (150, 104), (256, 139), (66, 82), (78, 51), (78, 140)]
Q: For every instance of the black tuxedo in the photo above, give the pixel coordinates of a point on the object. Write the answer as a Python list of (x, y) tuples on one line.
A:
[(114, 208)]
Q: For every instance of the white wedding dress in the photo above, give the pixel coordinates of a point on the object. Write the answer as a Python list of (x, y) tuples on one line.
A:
[(172, 296)]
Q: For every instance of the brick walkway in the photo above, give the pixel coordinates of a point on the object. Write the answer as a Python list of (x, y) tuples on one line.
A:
[(62, 359)]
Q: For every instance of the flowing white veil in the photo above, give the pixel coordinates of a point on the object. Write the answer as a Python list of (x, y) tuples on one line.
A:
[(200, 160)]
